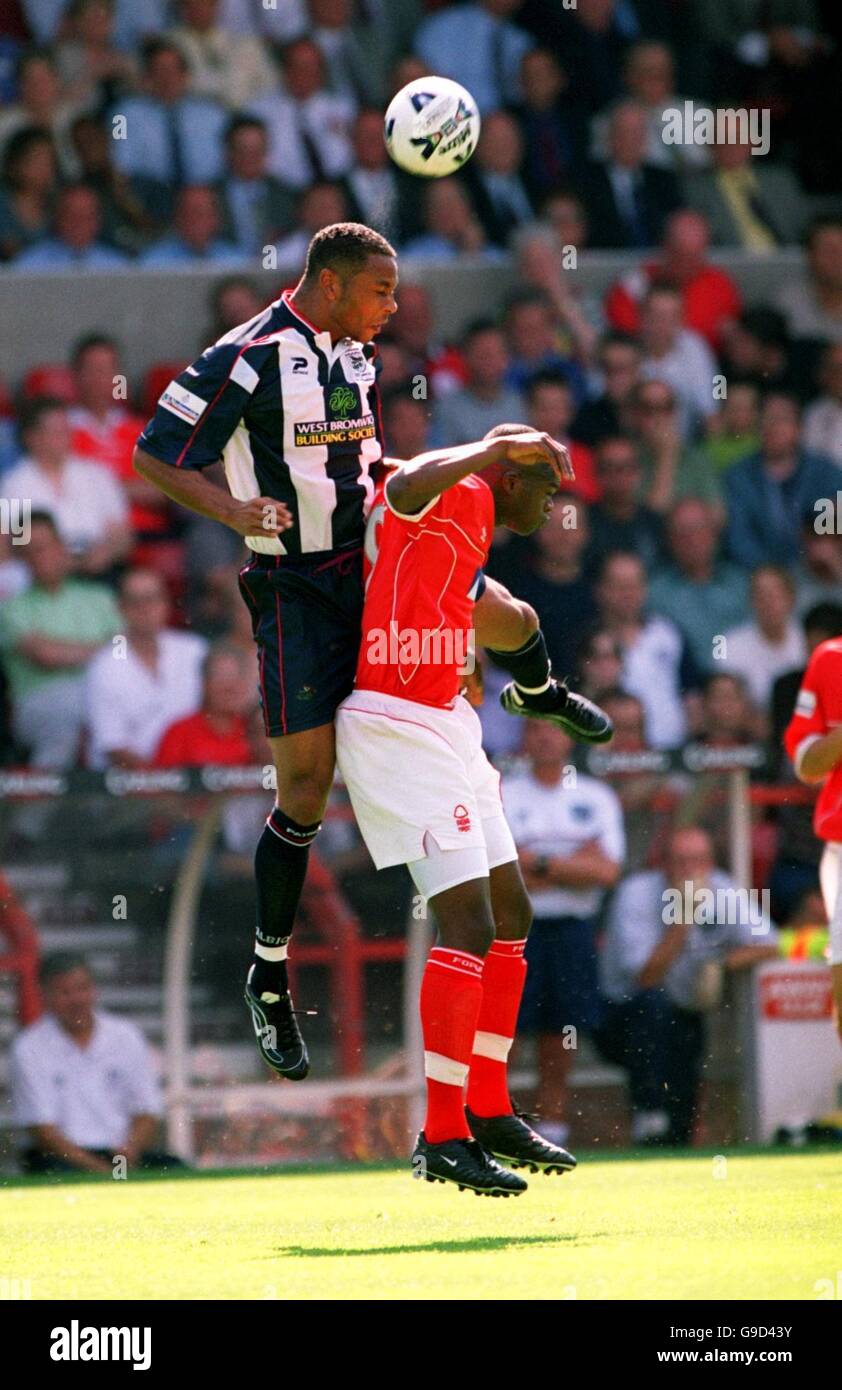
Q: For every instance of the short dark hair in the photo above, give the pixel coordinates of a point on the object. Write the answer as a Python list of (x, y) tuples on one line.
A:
[(41, 518), (89, 341), (477, 326), (540, 379), (615, 337), (824, 617), (344, 247), (822, 222), (60, 963), (32, 411), (156, 45), (765, 324), (19, 145), (239, 121)]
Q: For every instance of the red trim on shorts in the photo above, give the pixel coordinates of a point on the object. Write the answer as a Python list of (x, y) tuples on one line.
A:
[(396, 719)]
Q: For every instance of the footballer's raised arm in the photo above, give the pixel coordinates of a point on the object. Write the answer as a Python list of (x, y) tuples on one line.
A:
[(193, 490), (426, 476)]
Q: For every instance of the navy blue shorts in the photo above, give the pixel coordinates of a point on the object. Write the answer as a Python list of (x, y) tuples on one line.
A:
[(562, 982), (306, 616)]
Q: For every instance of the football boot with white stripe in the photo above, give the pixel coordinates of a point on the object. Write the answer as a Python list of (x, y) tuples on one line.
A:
[(278, 1034), (512, 1140), (466, 1163), (576, 715)]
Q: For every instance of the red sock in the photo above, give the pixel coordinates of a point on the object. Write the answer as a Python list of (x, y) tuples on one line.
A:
[(503, 976), (451, 992)]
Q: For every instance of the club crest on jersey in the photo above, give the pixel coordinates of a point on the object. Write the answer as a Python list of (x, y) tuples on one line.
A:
[(342, 400), (462, 817)]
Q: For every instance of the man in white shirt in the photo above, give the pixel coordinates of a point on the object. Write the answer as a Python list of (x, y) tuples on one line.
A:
[(229, 67), (83, 1084), (823, 417), (88, 504), (568, 828), (670, 934), (309, 127), (774, 642), (678, 356), (143, 681)]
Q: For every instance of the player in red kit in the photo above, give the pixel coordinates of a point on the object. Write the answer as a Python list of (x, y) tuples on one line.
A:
[(424, 793), (813, 741)]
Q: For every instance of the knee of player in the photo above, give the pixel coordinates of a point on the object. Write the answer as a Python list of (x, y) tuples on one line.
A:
[(529, 620), (304, 799)]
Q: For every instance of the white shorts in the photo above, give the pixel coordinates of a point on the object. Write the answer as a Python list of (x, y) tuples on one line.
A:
[(830, 874), (418, 780)]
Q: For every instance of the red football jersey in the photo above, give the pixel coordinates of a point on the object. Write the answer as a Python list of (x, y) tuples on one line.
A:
[(424, 573), (818, 710)]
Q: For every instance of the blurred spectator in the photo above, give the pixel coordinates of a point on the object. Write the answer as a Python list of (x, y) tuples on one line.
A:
[(309, 127), (485, 400), (747, 201), (656, 667), (14, 576), (530, 332), (553, 579), (406, 423), (394, 367), (773, 641), (196, 237), (478, 45), (502, 201), (87, 502), (75, 244), (571, 846), (133, 21), (822, 432), (812, 304), (619, 365), (566, 214), (621, 521), (48, 633), (818, 575), (590, 40), (228, 67), (733, 431), (709, 295), (41, 103), (104, 431), (83, 1084), (413, 329), (234, 301), (451, 228), (672, 469), (317, 207), (355, 50), (93, 71), (769, 492), (599, 666), (540, 250), (628, 201), (756, 348), (661, 975), (28, 191), (550, 408), (637, 789), (553, 131), (256, 207), (126, 222), (703, 595), (218, 732), (170, 137), (377, 192), (728, 720), (649, 79), (135, 691), (677, 355)]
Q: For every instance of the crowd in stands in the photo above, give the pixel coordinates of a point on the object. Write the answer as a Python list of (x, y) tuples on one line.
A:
[(689, 570), (209, 131)]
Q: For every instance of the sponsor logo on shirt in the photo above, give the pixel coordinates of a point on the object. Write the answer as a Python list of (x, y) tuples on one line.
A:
[(343, 400), (462, 818), (805, 705), (348, 431), (183, 403)]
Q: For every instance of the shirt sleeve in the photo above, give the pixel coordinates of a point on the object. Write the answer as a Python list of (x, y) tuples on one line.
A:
[(143, 1093), (200, 409), (612, 835), (33, 1098), (634, 923), (809, 721)]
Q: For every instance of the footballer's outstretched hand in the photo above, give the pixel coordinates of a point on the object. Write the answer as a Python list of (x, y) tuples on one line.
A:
[(259, 516), (535, 447)]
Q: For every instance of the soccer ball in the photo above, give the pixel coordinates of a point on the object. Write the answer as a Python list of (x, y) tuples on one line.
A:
[(431, 127)]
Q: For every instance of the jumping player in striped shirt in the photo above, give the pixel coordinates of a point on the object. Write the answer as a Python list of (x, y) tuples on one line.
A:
[(288, 401)]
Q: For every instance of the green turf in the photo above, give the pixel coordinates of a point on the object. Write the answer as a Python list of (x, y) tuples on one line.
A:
[(665, 1228)]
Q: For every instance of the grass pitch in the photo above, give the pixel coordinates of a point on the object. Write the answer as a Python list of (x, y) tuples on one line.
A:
[(750, 1226)]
